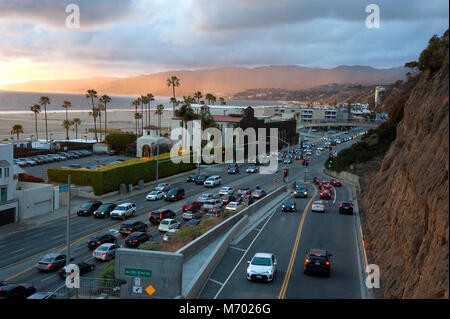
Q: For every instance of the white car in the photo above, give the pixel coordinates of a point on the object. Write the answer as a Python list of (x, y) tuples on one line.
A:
[(105, 251), (155, 195), (167, 224), (212, 203), (123, 211), (263, 266), (318, 206), (163, 187), (234, 206), (252, 169), (226, 191), (204, 197), (213, 181)]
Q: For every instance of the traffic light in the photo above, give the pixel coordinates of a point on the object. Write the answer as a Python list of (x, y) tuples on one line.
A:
[(286, 173), (330, 157), (330, 147), (307, 163), (303, 162)]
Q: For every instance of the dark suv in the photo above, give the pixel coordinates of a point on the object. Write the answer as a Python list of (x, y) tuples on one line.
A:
[(104, 210), (174, 194), (317, 261), (233, 168), (132, 226), (156, 216), (98, 240), (87, 209), (346, 208)]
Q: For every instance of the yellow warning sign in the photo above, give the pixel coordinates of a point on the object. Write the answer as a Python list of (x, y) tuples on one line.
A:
[(150, 290)]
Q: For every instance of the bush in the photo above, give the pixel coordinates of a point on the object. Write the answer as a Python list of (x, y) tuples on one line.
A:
[(108, 178), (120, 141)]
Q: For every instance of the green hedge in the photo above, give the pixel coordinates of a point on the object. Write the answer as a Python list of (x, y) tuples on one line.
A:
[(108, 179)]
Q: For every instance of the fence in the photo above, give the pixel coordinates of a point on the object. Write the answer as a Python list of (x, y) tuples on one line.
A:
[(90, 288)]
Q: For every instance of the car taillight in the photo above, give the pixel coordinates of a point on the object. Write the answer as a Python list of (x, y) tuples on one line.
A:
[(99, 242), (307, 261), (135, 241), (351, 205), (327, 263), (340, 205), (321, 193), (130, 229), (104, 254), (50, 264)]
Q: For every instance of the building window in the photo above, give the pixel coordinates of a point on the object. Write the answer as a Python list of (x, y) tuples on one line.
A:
[(6, 172), (3, 194), (1, 172)]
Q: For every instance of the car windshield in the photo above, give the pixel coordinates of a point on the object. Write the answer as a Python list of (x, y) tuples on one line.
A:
[(103, 248), (346, 205), (47, 259), (162, 185), (86, 206), (154, 193), (288, 203), (232, 204), (121, 208), (165, 222), (300, 188), (261, 261), (210, 202), (314, 258), (103, 207)]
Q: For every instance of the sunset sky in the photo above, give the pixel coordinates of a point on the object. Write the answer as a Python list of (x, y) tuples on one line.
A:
[(130, 37)]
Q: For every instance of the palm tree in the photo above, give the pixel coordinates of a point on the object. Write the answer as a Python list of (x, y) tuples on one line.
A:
[(210, 98), (187, 114), (159, 111), (43, 101), (101, 108), (76, 121), (222, 101), (137, 117), (198, 95), (136, 104), (93, 94), (173, 81), (150, 99), (67, 124), (36, 109), (17, 129), (66, 105), (94, 114), (105, 99)]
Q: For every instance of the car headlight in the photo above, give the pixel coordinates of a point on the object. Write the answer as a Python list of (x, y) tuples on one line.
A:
[(249, 269), (306, 193), (270, 272), (295, 192)]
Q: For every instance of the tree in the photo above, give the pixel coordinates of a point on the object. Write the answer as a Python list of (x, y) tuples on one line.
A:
[(120, 141), (91, 94), (198, 95), (150, 99), (210, 98), (137, 117), (101, 108), (36, 109), (159, 111), (173, 81), (433, 56), (76, 121), (105, 99), (44, 101), (206, 119), (17, 129), (187, 114), (67, 124), (136, 104), (66, 105), (222, 101)]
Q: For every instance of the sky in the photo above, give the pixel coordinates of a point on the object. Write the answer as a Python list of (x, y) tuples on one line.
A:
[(132, 37)]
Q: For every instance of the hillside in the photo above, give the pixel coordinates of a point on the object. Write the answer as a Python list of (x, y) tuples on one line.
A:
[(220, 81), (405, 202)]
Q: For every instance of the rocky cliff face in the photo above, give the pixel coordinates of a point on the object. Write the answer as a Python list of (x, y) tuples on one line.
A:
[(405, 204)]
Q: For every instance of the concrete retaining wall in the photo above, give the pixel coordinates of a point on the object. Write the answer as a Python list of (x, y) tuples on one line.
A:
[(346, 176)]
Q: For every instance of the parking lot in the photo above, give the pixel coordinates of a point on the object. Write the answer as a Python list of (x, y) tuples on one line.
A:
[(85, 162)]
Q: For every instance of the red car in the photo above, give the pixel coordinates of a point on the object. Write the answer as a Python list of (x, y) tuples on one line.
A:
[(325, 194), (191, 205), (336, 182)]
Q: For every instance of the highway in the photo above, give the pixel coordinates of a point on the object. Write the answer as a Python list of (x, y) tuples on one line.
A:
[(20, 251)]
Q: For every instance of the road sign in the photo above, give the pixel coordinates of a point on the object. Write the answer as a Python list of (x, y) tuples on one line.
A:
[(275, 181), (150, 290), (137, 289), (134, 272), (64, 188), (137, 281)]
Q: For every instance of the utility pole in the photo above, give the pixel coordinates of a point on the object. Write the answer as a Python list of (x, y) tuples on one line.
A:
[(68, 224)]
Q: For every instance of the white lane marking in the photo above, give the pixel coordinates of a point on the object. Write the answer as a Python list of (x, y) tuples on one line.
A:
[(237, 248), (246, 251), (16, 251), (334, 191), (49, 277), (215, 281)]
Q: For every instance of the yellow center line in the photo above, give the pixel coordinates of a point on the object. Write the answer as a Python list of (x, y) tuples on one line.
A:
[(294, 249)]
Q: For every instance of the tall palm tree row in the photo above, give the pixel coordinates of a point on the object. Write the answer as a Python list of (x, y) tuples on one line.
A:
[(44, 101), (159, 111), (150, 99), (136, 104), (66, 105), (36, 109), (17, 129), (76, 121), (91, 94), (105, 99), (173, 81)]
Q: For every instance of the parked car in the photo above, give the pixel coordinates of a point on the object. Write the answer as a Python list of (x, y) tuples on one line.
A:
[(213, 181), (226, 190), (132, 226), (164, 187), (192, 214), (263, 267), (317, 261), (191, 223), (234, 206), (100, 239), (289, 206), (200, 179), (137, 238), (156, 216), (174, 194), (168, 224), (191, 178), (82, 266), (52, 262), (155, 195), (87, 209), (169, 234), (318, 206), (16, 291), (105, 252), (104, 210), (346, 208), (123, 211)]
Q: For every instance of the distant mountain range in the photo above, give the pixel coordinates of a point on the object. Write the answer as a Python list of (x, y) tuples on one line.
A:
[(220, 81)]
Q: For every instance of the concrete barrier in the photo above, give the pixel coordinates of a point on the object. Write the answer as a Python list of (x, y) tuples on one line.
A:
[(204, 240), (197, 283)]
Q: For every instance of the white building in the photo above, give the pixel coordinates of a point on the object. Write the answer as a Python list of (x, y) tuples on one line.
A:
[(8, 182), (145, 145)]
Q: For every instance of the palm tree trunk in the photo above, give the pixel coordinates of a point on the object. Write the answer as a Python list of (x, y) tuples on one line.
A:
[(67, 129), (76, 131), (142, 117), (173, 87), (35, 125), (100, 122), (95, 124), (105, 121), (46, 130)]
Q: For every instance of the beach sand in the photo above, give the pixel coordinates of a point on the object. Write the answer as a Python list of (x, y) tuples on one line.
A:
[(121, 119)]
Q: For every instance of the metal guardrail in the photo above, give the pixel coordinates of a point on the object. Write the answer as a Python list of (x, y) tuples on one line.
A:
[(90, 288), (362, 122)]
